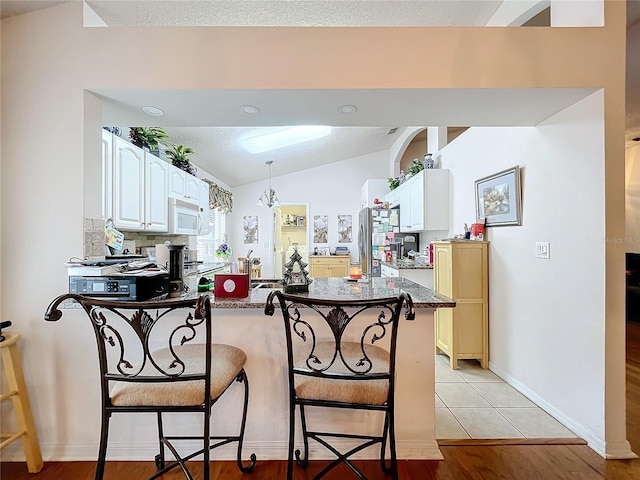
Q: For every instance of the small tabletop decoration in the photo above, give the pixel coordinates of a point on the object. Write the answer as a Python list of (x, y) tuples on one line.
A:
[(295, 278)]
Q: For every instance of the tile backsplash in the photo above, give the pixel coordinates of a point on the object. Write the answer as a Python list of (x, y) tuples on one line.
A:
[(94, 238)]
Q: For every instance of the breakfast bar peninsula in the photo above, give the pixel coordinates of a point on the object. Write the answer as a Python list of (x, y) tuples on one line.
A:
[(242, 322)]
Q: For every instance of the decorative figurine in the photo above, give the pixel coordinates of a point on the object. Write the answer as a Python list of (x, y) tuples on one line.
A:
[(295, 278)]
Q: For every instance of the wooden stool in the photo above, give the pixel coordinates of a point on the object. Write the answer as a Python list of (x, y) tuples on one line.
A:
[(18, 393)]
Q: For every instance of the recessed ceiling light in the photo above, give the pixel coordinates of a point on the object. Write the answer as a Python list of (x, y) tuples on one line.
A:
[(286, 137), (154, 111), (250, 109), (347, 109)]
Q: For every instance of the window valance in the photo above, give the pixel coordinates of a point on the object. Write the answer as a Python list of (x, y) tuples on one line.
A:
[(219, 197)]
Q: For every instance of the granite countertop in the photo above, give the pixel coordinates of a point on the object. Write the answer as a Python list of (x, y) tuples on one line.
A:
[(408, 266), (342, 289)]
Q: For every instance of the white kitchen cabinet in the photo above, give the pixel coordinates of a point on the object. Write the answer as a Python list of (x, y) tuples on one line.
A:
[(388, 271), (421, 276), (107, 175), (204, 208), (404, 193), (424, 201), (183, 186), (372, 189), (140, 182), (393, 197)]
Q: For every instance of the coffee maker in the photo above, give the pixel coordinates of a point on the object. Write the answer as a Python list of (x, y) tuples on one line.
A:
[(176, 269)]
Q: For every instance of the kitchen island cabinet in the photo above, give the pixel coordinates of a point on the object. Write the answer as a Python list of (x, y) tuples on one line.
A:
[(322, 266), (461, 272)]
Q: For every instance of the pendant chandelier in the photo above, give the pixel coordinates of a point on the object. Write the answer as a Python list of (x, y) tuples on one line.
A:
[(269, 196)]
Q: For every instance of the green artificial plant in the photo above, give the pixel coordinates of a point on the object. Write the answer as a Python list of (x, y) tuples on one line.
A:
[(179, 156), (150, 138), (416, 166)]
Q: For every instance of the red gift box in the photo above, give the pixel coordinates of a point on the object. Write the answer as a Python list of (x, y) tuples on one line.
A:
[(232, 285)]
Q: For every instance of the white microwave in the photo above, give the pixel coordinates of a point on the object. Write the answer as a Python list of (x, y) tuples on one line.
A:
[(184, 218)]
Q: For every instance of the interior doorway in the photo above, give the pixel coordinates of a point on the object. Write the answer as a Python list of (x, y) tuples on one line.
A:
[(290, 231)]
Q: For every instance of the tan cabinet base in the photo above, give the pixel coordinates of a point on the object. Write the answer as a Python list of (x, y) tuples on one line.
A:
[(461, 272), (329, 266)]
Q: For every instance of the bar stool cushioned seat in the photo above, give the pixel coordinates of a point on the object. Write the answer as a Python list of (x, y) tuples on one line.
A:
[(227, 362), (350, 391)]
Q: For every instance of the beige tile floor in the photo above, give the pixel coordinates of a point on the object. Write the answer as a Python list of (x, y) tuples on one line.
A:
[(472, 402)]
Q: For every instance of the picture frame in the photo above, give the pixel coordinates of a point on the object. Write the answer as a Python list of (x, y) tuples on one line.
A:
[(320, 229), (250, 229), (499, 198), (344, 229)]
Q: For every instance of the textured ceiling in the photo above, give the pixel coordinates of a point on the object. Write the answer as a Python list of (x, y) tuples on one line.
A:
[(295, 13), (218, 145)]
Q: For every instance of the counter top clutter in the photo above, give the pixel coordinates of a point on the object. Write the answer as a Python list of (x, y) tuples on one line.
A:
[(340, 289)]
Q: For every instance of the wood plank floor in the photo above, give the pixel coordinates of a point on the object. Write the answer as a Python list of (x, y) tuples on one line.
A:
[(481, 461)]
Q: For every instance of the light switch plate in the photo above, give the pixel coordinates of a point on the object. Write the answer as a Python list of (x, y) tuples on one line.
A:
[(542, 249)]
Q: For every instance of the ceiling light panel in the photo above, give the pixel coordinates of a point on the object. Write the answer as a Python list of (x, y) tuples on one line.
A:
[(285, 138)]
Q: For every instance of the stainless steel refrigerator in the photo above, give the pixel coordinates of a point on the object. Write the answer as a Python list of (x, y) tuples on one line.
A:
[(374, 240)]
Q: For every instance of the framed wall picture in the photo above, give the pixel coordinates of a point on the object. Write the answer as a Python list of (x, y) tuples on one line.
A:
[(320, 229), (499, 198), (344, 229), (250, 226)]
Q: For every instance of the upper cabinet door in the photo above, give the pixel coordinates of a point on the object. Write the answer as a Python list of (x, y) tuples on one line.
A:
[(128, 188), (183, 185), (177, 184), (107, 175), (192, 188), (156, 198), (416, 197), (404, 192)]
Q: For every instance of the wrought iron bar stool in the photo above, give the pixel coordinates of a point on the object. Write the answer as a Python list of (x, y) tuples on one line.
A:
[(20, 398), (342, 358), (157, 357)]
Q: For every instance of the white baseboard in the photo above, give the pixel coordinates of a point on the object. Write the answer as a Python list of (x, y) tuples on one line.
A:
[(608, 450)]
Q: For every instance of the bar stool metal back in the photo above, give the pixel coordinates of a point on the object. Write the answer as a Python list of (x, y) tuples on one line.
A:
[(154, 358), (341, 355)]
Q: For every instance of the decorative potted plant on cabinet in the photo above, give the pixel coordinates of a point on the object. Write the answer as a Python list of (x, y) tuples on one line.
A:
[(148, 139), (179, 156)]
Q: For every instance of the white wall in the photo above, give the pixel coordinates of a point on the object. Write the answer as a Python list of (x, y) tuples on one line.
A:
[(546, 317), (48, 61), (330, 190)]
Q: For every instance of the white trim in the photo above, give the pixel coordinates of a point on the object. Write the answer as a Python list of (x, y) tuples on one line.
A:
[(608, 450)]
